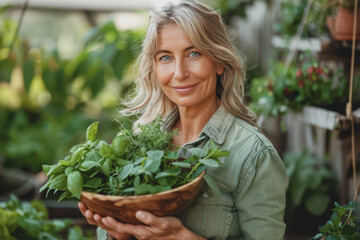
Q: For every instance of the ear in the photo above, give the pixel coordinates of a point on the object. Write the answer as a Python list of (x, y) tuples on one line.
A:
[(220, 69)]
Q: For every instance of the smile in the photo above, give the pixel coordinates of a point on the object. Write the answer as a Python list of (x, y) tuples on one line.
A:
[(184, 89)]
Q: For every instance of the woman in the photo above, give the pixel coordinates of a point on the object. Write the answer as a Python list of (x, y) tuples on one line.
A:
[(190, 73)]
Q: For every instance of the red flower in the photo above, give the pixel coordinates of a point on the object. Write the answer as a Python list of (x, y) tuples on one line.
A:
[(319, 71), (301, 83), (286, 92), (310, 70), (299, 73)]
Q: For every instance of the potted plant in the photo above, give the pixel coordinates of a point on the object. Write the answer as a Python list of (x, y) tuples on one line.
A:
[(343, 224), (341, 22), (311, 189)]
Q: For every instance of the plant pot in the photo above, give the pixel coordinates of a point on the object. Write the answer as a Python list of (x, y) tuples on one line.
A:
[(166, 203), (341, 25)]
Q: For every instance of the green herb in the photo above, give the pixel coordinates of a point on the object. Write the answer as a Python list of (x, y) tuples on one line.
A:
[(29, 220), (134, 163), (343, 224)]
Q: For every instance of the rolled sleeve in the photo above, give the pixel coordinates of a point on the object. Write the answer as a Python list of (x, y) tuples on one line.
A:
[(261, 199)]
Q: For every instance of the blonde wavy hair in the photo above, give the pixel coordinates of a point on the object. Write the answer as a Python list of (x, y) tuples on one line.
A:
[(207, 32)]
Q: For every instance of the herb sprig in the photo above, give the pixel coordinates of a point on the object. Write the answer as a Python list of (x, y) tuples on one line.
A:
[(135, 163)]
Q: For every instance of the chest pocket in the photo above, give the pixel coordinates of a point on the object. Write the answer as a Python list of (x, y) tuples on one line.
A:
[(209, 215)]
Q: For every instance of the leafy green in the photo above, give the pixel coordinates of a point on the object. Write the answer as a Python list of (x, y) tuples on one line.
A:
[(310, 182), (343, 224), (29, 220), (134, 163)]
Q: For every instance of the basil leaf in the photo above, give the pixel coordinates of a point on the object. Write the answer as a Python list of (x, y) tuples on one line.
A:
[(209, 162), (92, 131), (75, 183), (122, 162), (168, 181), (155, 154), (106, 167), (136, 171), (93, 183), (94, 174), (144, 188), (120, 144), (136, 181), (46, 185), (77, 156), (125, 171), (199, 170), (58, 182), (46, 168), (139, 160), (65, 163), (93, 155), (68, 170), (212, 184), (64, 195), (87, 165), (198, 152), (181, 164), (104, 149), (128, 190), (152, 163), (57, 168), (219, 153), (168, 172), (171, 155), (76, 147)]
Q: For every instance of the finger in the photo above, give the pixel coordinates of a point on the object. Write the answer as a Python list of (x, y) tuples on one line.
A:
[(161, 223), (149, 219), (115, 232), (98, 219), (90, 217), (82, 208), (123, 228)]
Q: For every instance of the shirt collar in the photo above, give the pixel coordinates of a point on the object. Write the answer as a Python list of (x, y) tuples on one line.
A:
[(217, 128)]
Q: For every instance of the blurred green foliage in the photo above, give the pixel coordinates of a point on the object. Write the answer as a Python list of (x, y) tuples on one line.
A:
[(230, 8), (29, 220), (310, 183), (47, 102)]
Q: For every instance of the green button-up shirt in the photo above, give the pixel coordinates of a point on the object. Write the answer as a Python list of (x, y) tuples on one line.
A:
[(252, 181)]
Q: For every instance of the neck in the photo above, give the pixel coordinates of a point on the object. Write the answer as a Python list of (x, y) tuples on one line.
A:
[(193, 120)]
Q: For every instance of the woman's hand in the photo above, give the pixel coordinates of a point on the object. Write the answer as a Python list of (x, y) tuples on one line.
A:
[(154, 228), (96, 220)]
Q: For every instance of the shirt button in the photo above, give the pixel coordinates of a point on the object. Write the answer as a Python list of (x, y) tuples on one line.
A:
[(205, 194)]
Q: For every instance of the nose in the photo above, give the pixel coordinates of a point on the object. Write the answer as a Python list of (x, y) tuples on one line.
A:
[(181, 71)]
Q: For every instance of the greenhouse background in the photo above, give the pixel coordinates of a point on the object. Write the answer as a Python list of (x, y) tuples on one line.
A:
[(66, 64)]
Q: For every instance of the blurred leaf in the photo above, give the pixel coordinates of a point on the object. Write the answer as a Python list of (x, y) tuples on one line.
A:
[(28, 73), (317, 203)]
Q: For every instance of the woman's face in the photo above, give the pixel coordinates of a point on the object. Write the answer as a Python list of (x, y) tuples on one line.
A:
[(186, 75)]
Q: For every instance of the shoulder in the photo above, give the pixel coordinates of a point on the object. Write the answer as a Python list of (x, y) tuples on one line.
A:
[(246, 138)]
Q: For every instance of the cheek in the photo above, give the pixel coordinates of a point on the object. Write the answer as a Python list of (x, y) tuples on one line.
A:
[(205, 69), (163, 74)]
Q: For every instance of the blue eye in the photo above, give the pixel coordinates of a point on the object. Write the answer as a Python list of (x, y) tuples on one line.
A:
[(194, 54), (165, 58)]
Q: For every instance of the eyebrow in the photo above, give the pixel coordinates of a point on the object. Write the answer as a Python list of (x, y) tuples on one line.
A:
[(167, 51)]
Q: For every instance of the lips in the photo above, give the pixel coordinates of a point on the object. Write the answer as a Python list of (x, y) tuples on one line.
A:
[(184, 89)]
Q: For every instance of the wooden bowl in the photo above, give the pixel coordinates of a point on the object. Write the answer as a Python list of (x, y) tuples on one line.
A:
[(166, 203)]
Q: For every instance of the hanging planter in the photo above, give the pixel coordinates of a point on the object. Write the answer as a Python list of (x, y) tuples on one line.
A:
[(341, 25)]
